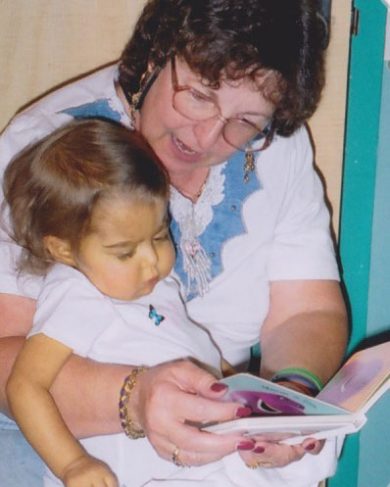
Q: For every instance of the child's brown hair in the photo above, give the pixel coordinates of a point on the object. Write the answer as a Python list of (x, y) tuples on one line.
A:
[(52, 187)]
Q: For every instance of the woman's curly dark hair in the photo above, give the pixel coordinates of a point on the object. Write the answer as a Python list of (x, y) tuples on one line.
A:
[(236, 38)]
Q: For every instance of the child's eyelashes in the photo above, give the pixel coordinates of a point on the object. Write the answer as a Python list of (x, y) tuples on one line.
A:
[(162, 236), (126, 255)]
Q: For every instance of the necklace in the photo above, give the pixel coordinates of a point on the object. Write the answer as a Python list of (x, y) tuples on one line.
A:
[(194, 197)]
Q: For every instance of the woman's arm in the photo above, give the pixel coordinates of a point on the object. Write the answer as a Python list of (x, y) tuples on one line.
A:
[(306, 327), (97, 409), (97, 413), (16, 315)]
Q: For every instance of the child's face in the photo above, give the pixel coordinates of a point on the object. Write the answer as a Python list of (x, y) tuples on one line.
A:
[(129, 248)]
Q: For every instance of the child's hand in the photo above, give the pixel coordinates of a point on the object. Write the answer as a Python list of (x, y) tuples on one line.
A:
[(88, 471)]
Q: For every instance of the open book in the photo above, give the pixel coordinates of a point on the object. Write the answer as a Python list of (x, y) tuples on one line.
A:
[(284, 415)]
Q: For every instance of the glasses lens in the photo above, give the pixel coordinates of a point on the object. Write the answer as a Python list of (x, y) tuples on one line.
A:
[(194, 105), (239, 133)]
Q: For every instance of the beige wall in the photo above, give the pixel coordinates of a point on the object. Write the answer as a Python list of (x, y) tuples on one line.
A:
[(45, 42)]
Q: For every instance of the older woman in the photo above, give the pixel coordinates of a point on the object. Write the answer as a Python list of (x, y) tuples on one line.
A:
[(221, 89)]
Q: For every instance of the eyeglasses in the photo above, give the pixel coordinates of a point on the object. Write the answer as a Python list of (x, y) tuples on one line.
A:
[(240, 133)]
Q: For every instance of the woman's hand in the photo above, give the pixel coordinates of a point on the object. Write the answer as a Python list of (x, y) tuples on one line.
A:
[(270, 455), (266, 454), (171, 396)]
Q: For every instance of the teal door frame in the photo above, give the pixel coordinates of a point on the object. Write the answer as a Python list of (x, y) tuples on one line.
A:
[(358, 187)]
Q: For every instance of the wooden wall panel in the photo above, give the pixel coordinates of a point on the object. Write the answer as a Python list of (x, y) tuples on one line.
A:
[(45, 42), (327, 124)]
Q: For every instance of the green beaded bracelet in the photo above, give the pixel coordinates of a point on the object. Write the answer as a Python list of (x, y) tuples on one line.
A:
[(299, 375)]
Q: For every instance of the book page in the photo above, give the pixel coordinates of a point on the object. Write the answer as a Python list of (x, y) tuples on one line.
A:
[(266, 398), (366, 373)]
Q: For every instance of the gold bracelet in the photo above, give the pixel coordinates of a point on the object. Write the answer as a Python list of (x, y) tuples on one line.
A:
[(126, 422)]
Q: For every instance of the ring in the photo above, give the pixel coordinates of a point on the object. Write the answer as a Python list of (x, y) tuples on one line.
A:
[(175, 457)]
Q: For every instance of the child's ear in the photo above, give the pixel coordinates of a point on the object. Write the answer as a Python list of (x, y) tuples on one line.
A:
[(60, 249)]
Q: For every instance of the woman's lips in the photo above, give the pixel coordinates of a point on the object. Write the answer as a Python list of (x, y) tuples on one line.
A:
[(183, 152), (183, 147)]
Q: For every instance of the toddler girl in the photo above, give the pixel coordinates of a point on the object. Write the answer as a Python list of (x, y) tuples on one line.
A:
[(88, 205)]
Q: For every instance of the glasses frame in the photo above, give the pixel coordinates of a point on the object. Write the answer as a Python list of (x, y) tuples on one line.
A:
[(267, 132)]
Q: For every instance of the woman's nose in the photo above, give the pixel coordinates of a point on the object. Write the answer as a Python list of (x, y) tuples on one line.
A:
[(207, 132)]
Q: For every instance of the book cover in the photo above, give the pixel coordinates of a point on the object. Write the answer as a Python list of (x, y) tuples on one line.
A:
[(282, 414)]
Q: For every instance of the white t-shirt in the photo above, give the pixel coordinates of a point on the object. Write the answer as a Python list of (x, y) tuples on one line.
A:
[(148, 331), (275, 227)]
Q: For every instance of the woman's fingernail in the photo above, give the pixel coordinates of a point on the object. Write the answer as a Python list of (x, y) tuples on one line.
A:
[(218, 387), (245, 445), (243, 412), (310, 447), (259, 449)]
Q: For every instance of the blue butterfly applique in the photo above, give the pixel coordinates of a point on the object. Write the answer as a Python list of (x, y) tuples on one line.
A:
[(153, 315)]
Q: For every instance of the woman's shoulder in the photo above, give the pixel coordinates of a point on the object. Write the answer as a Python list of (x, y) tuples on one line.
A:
[(76, 99), (87, 86), (294, 147), (286, 158), (82, 88)]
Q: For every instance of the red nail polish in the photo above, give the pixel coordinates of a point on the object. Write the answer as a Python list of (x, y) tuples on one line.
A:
[(259, 449), (245, 445), (310, 447), (243, 412), (218, 387)]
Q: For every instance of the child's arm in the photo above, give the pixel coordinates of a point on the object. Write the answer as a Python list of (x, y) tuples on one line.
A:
[(34, 409)]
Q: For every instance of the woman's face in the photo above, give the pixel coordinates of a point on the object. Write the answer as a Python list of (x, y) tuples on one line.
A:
[(185, 145)]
